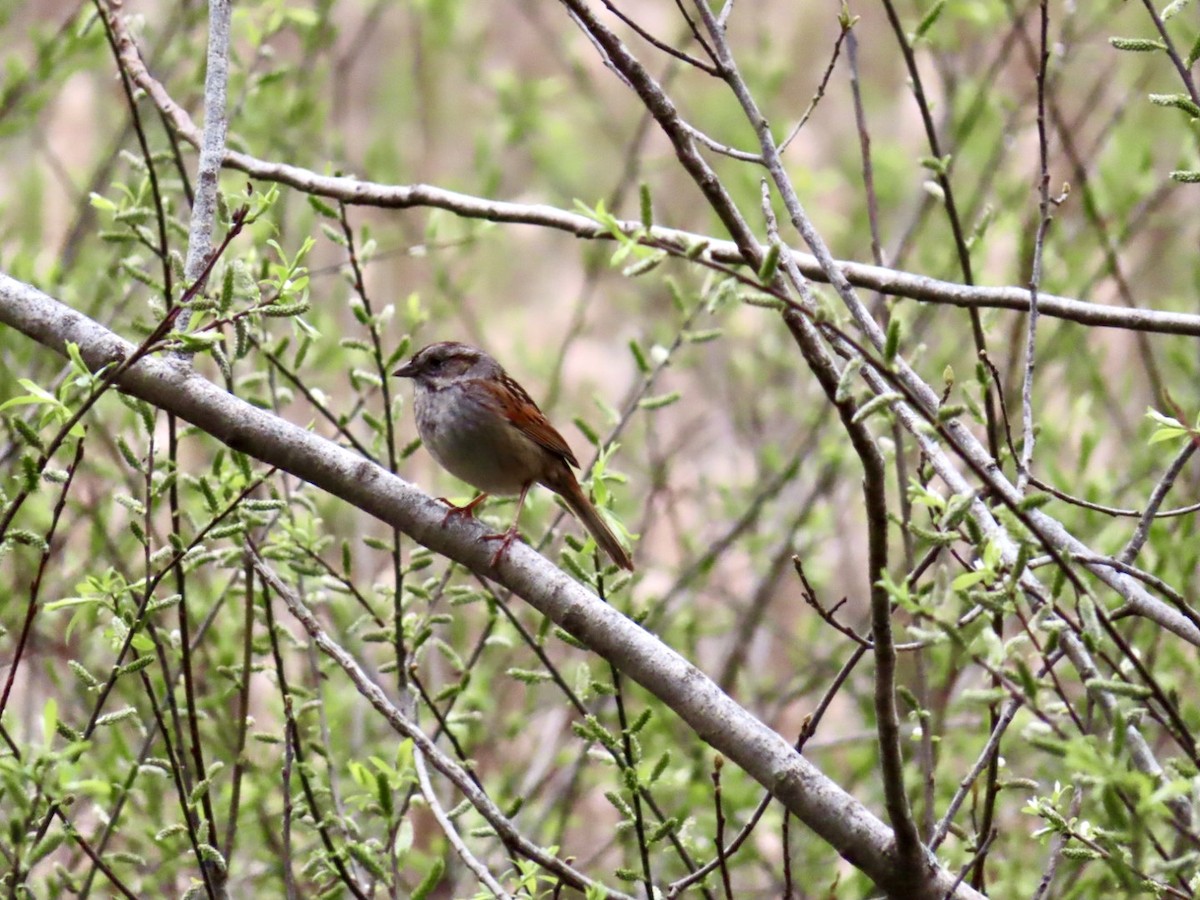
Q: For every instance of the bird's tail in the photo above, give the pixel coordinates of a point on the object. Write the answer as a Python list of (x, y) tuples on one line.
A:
[(587, 514)]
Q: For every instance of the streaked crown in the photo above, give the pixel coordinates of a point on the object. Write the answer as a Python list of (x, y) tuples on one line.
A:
[(448, 361)]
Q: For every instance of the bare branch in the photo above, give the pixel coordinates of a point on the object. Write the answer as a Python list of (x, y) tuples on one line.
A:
[(212, 148), (452, 835), (892, 282), (1035, 276)]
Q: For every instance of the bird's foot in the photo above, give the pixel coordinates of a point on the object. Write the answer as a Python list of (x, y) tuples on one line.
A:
[(506, 539), (466, 511)]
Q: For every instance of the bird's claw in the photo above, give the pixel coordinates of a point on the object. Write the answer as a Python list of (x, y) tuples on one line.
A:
[(506, 539), (466, 511)]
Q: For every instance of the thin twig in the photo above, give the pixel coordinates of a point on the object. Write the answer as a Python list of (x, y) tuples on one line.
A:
[(864, 145), (942, 175), (847, 24), (31, 610), (990, 749), (1115, 511), (1035, 276), (451, 833), (660, 45), (908, 839), (719, 838), (1131, 550), (1184, 70)]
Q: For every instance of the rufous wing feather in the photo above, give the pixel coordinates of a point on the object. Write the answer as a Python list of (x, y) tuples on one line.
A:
[(520, 410), (518, 407)]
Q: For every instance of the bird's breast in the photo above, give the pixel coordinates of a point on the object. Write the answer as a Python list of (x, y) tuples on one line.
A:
[(471, 440)]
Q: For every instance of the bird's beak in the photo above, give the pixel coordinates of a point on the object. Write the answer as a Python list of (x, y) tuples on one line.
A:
[(406, 371)]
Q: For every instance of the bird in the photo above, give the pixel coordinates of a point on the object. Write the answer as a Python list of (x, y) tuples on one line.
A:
[(483, 428)]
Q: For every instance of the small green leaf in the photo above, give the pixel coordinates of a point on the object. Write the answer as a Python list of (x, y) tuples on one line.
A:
[(927, 21), (892, 343), (49, 721), (1122, 688), (641, 267), (1035, 501), (321, 207), (120, 715), (662, 400), (431, 879), (646, 206), (876, 404), (1162, 419), (1137, 45), (1169, 429), (845, 380), (1173, 9), (770, 264), (1194, 53), (1178, 101), (968, 579), (639, 357), (285, 310), (102, 203)]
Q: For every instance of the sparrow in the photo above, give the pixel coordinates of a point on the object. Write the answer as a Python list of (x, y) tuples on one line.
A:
[(483, 427)]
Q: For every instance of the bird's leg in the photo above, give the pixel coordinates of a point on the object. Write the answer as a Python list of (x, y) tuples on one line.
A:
[(507, 537), (466, 511)]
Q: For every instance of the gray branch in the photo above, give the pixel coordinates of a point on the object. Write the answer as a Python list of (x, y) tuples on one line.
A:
[(212, 148), (460, 847)]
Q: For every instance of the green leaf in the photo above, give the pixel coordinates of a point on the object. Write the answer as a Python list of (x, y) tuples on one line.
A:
[(877, 404), (1169, 429), (49, 721), (1161, 419), (641, 267), (101, 203), (119, 715), (968, 579), (1122, 688), (1194, 53), (1178, 101), (321, 207), (660, 401), (1173, 9), (35, 395), (770, 264), (927, 21), (77, 360), (431, 879), (1137, 45), (891, 344), (528, 676), (639, 357)]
